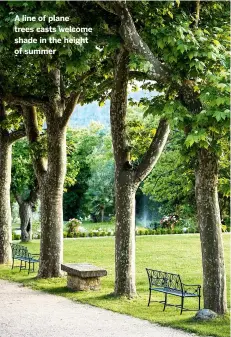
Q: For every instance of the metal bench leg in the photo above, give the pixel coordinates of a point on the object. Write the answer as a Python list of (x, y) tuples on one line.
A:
[(20, 266), (182, 304), (149, 299), (29, 268), (165, 301), (12, 264)]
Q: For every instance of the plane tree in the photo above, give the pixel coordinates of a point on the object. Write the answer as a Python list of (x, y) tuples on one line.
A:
[(187, 50)]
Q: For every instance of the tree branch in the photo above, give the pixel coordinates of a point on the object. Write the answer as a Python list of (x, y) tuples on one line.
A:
[(32, 131), (71, 103), (132, 39), (197, 16), (55, 93), (2, 110), (15, 135), (34, 193), (26, 100), (118, 106), (154, 151), (18, 197)]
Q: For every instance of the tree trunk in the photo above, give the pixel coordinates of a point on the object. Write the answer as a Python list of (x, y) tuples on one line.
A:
[(214, 279), (102, 212), (25, 213), (128, 177), (125, 233), (51, 197), (5, 210)]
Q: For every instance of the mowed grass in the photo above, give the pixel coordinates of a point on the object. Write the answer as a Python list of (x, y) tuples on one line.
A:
[(173, 253)]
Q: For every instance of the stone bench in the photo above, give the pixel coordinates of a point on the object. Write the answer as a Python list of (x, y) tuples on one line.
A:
[(83, 276)]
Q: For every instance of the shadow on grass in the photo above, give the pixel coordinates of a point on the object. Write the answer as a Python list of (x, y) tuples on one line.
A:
[(217, 326)]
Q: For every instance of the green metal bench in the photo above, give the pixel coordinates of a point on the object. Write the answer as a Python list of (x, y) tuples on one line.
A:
[(21, 254), (171, 284)]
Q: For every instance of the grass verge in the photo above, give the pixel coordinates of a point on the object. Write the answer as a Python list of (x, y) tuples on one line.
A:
[(173, 253)]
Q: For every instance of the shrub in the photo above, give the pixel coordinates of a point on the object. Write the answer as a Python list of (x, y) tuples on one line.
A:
[(73, 225), (178, 231), (169, 231), (169, 221), (97, 233), (64, 234), (158, 232), (90, 234), (146, 232), (102, 233), (108, 233)]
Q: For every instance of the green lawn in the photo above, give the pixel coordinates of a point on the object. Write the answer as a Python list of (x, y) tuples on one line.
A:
[(172, 253)]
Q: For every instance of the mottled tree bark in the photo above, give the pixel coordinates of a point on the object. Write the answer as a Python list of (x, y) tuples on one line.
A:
[(102, 208), (214, 279), (5, 210), (127, 178), (26, 213), (125, 190), (51, 198), (6, 140)]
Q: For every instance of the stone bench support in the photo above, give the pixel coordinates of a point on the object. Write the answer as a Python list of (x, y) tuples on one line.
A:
[(83, 276)]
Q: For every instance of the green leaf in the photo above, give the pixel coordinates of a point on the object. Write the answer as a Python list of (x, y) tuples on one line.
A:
[(219, 115), (160, 44), (190, 140)]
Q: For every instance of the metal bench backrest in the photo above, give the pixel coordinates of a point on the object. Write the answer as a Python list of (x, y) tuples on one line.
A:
[(19, 251), (162, 279)]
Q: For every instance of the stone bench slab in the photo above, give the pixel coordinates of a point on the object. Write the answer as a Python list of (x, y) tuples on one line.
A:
[(83, 270)]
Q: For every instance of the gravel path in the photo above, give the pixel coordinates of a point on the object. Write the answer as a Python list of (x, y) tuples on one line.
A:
[(28, 313)]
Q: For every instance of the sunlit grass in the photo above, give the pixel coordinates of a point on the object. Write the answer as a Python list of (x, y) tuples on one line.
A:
[(173, 253)]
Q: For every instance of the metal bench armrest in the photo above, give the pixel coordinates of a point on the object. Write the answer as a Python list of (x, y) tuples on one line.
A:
[(192, 288)]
